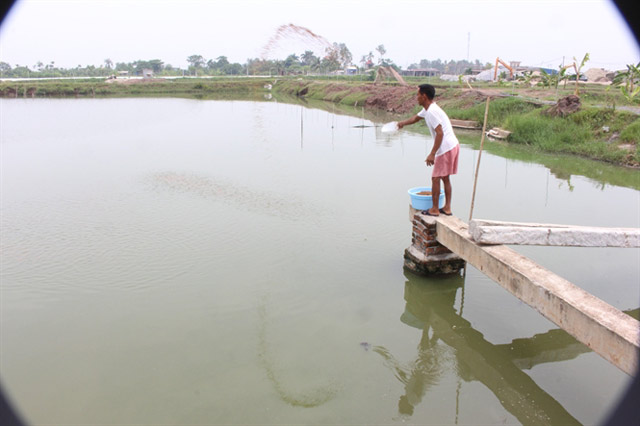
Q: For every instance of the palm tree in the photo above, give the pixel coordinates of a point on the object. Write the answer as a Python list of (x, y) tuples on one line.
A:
[(381, 51)]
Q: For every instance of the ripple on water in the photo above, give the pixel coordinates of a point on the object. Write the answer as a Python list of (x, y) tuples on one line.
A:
[(122, 241), (92, 245), (257, 201)]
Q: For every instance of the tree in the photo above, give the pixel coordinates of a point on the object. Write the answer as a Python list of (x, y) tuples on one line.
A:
[(108, 63), (291, 60), (233, 69), (308, 58), (21, 71), (196, 62), (548, 80), (156, 65), (221, 62), (5, 68), (331, 61), (562, 76), (628, 80), (526, 78), (578, 68), (344, 55), (381, 51), (219, 65), (370, 60)]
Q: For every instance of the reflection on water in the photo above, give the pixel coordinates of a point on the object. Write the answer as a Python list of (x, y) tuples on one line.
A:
[(430, 308), (562, 166), (419, 375)]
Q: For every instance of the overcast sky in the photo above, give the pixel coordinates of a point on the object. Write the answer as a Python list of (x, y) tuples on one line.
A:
[(537, 33)]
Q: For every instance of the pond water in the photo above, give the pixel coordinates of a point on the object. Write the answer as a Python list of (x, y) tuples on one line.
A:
[(180, 261)]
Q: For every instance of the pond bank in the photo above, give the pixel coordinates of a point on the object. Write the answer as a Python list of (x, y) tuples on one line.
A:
[(601, 133)]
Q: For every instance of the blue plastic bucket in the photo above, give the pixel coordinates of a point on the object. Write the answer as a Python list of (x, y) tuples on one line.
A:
[(424, 202)]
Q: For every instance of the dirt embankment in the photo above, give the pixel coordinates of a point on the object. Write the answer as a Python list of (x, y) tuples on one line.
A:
[(397, 99), (391, 98)]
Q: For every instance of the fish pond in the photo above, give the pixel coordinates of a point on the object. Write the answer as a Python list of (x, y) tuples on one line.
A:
[(185, 261)]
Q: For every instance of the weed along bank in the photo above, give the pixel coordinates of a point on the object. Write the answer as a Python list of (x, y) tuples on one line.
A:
[(441, 245)]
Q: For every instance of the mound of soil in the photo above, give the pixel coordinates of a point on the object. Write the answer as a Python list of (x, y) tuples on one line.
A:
[(565, 106), (397, 99)]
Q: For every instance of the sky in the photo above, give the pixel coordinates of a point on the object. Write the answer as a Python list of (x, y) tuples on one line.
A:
[(545, 33)]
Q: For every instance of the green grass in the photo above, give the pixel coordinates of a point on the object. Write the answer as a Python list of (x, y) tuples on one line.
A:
[(631, 133), (499, 110), (577, 134), (355, 99), (562, 165)]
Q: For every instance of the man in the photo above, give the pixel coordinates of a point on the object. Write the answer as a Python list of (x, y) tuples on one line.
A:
[(444, 155)]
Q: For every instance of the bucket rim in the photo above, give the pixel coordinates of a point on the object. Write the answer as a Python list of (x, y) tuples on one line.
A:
[(415, 190)]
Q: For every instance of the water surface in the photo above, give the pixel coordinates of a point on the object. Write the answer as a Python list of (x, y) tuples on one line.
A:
[(176, 261)]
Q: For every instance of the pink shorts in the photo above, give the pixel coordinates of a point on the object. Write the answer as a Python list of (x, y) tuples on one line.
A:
[(447, 163)]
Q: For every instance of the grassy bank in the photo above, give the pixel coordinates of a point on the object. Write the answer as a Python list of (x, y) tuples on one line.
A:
[(607, 133), (132, 87), (600, 130), (598, 133)]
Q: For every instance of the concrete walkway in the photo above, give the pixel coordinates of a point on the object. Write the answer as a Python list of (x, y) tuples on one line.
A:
[(606, 330)]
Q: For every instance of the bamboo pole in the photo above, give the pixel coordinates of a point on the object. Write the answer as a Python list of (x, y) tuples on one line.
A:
[(475, 180)]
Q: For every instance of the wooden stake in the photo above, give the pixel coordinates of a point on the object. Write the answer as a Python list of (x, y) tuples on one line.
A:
[(475, 181)]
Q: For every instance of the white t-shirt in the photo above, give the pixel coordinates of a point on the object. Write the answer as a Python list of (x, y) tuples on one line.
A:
[(435, 116)]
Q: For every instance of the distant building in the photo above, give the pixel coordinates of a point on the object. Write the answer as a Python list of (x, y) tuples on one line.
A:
[(147, 73), (351, 70), (421, 72)]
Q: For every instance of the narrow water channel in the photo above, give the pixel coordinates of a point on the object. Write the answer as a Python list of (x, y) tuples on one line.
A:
[(179, 261)]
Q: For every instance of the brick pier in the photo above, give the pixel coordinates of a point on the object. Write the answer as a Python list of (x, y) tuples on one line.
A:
[(427, 256)]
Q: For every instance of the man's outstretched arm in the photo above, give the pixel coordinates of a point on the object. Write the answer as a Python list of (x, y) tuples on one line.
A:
[(406, 122)]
